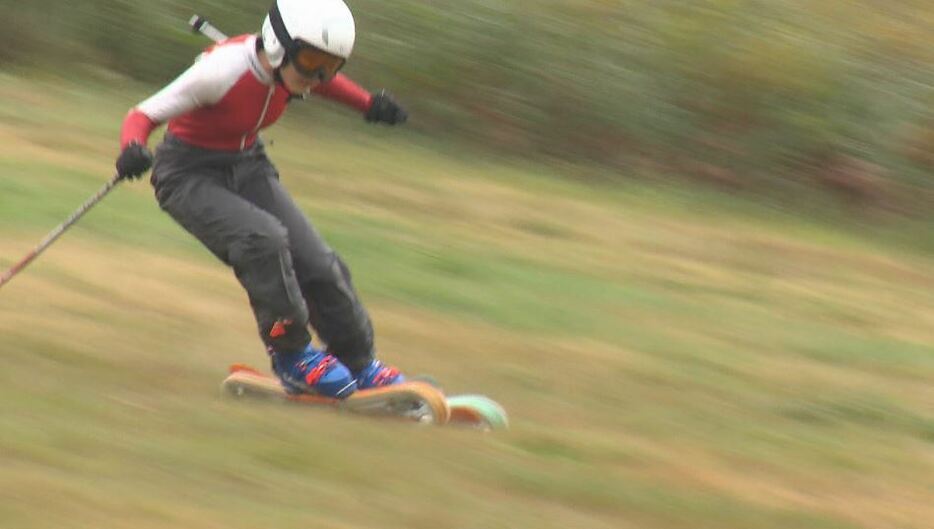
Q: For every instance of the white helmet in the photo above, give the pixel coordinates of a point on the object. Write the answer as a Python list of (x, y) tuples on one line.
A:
[(324, 24)]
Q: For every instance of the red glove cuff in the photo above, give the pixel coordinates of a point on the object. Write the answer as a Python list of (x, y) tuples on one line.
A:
[(136, 128)]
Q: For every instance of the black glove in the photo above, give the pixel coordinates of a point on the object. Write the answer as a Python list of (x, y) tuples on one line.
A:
[(135, 160), (385, 108)]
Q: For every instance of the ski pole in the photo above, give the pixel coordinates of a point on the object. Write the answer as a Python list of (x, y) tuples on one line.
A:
[(198, 24), (201, 25), (57, 232)]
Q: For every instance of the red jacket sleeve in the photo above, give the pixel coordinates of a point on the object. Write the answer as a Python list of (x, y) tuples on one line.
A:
[(344, 90), (136, 128)]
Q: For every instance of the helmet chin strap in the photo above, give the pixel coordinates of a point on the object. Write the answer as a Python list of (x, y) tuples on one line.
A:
[(288, 45), (277, 74)]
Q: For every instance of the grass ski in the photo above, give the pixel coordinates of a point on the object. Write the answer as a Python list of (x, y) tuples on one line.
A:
[(471, 410), (477, 411), (416, 401)]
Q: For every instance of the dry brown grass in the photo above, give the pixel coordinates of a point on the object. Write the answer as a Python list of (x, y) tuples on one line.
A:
[(748, 374)]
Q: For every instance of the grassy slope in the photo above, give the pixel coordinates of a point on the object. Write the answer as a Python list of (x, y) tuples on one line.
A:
[(666, 363)]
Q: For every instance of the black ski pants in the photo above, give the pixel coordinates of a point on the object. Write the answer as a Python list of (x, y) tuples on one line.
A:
[(235, 205)]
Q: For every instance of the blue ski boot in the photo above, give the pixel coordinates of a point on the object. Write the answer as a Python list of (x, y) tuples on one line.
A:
[(313, 371), (377, 374)]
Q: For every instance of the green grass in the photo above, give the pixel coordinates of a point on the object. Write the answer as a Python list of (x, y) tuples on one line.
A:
[(671, 358)]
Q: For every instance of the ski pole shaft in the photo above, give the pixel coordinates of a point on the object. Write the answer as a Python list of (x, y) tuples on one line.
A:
[(57, 232), (201, 25)]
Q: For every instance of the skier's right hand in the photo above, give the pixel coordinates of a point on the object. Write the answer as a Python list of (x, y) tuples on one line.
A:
[(135, 160)]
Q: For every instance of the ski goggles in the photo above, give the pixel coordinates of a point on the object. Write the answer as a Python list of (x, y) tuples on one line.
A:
[(315, 63)]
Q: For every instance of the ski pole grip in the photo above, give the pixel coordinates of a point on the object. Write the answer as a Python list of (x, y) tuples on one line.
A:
[(196, 23), (201, 25)]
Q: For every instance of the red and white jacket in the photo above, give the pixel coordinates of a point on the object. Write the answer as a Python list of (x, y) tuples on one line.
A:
[(224, 100)]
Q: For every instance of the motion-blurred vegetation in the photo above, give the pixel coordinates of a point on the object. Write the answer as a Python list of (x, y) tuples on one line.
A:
[(776, 96)]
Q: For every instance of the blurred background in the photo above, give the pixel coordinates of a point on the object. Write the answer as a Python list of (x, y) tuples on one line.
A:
[(687, 244), (779, 97)]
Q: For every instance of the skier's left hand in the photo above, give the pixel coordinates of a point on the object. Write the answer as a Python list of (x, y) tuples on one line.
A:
[(384, 108)]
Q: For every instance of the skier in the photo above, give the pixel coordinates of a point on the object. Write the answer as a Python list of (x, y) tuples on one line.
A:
[(211, 174)]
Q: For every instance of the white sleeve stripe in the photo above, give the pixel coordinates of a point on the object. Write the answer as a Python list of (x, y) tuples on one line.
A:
[(204, 83)]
